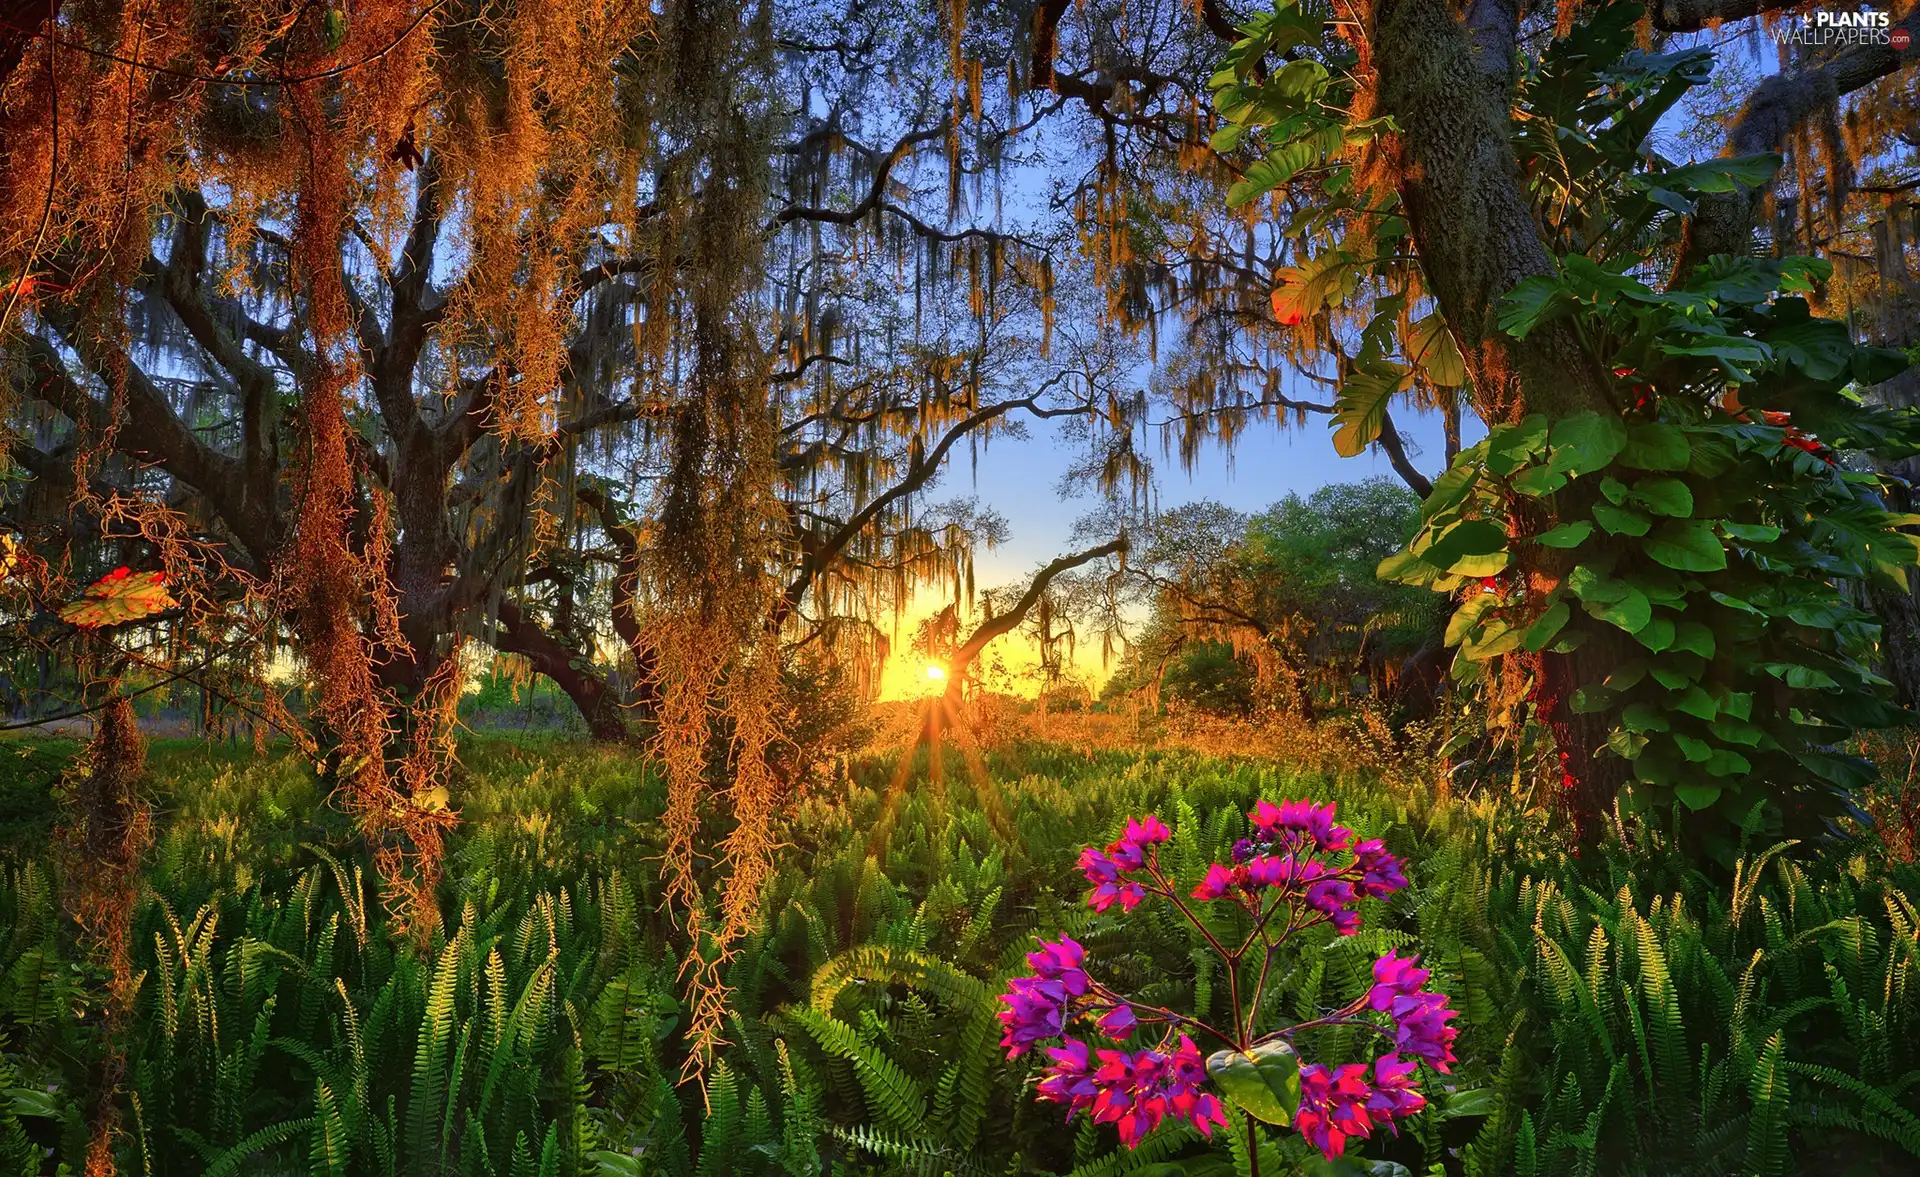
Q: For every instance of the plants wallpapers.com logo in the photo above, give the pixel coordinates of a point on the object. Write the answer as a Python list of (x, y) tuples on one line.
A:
[(1834, 26)]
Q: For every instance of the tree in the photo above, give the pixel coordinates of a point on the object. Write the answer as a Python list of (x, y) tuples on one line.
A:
[(1291, 590), (1450, 165)]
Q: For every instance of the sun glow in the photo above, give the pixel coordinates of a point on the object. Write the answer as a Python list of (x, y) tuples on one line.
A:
[(935, 671)]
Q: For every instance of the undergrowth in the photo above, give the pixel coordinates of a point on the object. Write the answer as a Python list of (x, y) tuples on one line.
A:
[(1626, 1014)]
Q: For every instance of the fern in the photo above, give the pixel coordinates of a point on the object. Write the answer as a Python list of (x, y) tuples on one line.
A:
[(891, 1093), (1767, 1151), (329, 1152), (229, 1161)]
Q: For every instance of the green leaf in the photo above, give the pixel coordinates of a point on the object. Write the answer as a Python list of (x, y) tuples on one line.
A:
[(1279, 166), (1694, 638), (1696, 751), (1626, 745), (1631, 612), (1471, 547), (1545, 626), (1403, 567), (1467, 617), (1532, 303), (1585, 442), (1620, 520), (1719, 174), (1509, 446), (1227, 139), (1656, 635), (1697, 797), (1696, 702), (1567, 535), (1687, 545), (1592, 587), (1537, 482), (1727, 762), (1264, 1082), (1655, 445), (1478, 1101), (1430, 346), (1732, 731), (1644, 717), (1664, 495), (1362, 405), (1756, 533)]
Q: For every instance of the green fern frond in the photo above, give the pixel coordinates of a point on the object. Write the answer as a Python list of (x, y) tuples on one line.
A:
[(891, 1093), (229, 1161)]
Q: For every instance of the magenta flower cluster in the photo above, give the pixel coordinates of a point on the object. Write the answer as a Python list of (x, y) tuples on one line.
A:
[(1299, 869), (1285, 856), (1350, 1101)]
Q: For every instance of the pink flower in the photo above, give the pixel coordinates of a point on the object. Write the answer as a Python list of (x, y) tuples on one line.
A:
[(1186, 1093), (1380, 872), (1070, 1079), (1218, 882), (1394, 1095), (1060, 961), (1118, 1022), (1110, 881), (1333, 1106), (1144, 831), (1395, 976), (1335, 899), (1421, 1030), (1285, 872), (1129, 1097), (1036, 1011), (1294, 821), (1128, 895)]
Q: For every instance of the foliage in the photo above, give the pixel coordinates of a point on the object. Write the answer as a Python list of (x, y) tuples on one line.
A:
[(864, 1031), (1708, 525), (1696, 512), (1207, 676), (1288, 594)]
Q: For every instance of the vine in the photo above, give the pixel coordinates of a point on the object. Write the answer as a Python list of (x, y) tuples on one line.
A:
[(1716, 523)]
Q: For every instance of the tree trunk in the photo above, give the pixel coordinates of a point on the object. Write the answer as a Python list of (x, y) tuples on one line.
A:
[(1448, 88), (520, 634)]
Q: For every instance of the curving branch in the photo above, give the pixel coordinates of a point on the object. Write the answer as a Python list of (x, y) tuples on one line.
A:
[(1723, 222), (921, 468), (1010, 620)]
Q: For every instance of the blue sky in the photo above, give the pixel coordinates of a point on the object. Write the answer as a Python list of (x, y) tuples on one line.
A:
[(1018, 478)]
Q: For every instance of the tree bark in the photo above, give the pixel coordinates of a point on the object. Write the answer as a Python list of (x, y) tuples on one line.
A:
[(1448, 88)]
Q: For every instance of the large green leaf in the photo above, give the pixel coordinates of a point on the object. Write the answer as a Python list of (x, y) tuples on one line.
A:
[(1472, 547), (1585, 442), (1431, 348), (1688, 545), (1655, 445), (1664, 495), (1362, 404), (1263, 1082)]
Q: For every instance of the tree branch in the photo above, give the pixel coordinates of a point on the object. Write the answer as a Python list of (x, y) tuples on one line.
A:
[(1723, 222), (1011, 619)]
